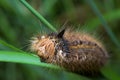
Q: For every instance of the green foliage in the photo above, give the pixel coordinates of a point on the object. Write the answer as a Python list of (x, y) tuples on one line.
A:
[(18, 25)]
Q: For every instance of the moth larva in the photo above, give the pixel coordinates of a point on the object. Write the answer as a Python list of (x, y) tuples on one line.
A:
[(74, 51)]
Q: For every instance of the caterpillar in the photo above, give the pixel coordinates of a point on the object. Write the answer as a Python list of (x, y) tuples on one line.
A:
[(76, 52)]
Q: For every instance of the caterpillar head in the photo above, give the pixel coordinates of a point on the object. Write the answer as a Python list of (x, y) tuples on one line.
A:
[(45, 46)]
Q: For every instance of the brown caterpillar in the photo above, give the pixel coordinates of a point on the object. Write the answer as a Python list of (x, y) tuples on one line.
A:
[(74, 51)]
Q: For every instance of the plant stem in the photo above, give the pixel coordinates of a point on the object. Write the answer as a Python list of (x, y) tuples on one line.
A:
[(39, 16)]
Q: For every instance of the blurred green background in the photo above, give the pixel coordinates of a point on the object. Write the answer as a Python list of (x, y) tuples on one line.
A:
[(18, 25)]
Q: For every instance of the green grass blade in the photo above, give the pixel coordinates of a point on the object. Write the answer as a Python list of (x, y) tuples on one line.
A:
[(20, 57), (104, 23), (26, 58), (39, 16)]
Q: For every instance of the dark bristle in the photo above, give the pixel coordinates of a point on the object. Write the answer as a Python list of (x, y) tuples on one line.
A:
[(60, 34)]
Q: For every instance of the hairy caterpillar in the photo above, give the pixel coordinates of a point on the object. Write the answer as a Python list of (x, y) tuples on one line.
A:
[(74, 51)]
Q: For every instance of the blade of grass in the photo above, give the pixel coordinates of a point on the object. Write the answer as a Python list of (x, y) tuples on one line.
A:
[(104, 23), (39, 16), (20, 57), (26, 58)]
